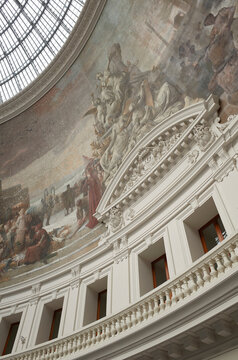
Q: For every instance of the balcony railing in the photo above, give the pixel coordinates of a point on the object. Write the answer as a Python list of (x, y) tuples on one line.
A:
[(211, 268)]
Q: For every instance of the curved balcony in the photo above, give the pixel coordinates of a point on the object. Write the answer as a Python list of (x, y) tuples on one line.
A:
[(151, 316)]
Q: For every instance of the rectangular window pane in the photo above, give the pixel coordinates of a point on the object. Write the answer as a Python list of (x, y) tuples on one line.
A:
[(223, 231), (55, 324), (11, 338), (102, 304), (159, 268), (210, 236)]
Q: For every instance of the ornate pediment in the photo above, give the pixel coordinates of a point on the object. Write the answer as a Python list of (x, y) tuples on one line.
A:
[(155, 154)]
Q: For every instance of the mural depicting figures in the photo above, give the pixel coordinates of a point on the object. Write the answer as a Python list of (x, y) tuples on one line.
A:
[(129, 103), (58, 156)]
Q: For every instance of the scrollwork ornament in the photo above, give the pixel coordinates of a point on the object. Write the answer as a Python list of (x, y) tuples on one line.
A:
[(203, 136), (115, 220)]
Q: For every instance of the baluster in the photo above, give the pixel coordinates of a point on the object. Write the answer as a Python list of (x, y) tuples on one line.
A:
[(128, 320), (186, 289), (71, 345), (213, 272), (236, 248), (84, 339), (150, 308), (65, 347), (220, 268), (51, 352), (75, 342), (133, 317), (44, 354), (124, 325), (118, 325), (99, 334), (156, 304), (61, 349), (179, 290), (108, 330), (113, 328), (226, 259), (232, 252), (94, 336), (174, 294), (88, 341), (48, 353), (145, 311), (192, 283), (168, 298), (206, 273), (198, 275), (103, 335), (161, 301), (80, 342)]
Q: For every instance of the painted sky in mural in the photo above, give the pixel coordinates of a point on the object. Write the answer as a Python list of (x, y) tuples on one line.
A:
[(58, 156)]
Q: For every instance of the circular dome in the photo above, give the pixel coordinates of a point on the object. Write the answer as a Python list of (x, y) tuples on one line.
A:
[(31, 34)]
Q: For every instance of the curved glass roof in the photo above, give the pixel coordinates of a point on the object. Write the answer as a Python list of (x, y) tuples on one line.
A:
[(31, 34)]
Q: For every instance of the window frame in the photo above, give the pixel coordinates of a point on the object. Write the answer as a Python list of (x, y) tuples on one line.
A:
[(153, 269), (217, 228), (53, 323), (8, 337)]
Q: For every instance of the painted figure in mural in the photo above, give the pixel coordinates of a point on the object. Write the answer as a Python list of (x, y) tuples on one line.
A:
[(117, 147), (48, 204), (68, 199), (20, 232), (129, 104), (40, 248), (222, 52), (93, 187)]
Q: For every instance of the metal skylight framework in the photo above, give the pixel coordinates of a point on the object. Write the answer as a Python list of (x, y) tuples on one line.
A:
[(31, 34)]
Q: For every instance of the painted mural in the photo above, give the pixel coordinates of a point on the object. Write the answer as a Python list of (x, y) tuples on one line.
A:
[(58, 157)]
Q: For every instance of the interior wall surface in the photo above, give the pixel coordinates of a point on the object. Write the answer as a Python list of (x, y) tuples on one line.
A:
[(144, 61)]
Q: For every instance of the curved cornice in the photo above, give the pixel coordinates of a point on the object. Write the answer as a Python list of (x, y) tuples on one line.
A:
[(65, 58)]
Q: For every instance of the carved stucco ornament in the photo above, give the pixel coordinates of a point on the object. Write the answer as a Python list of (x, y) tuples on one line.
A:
[(115, 220), (203, 135), (193, 156)]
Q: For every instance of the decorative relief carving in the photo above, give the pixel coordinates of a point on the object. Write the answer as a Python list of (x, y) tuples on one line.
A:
[(115, 220), (147, 157), (193, 156), (35, 289), (203, 136), (23, 339), (75, 271), (230, 166), (120, 249), (131, 213)]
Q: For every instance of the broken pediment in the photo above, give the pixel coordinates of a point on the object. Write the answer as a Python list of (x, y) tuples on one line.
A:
[(155, 154)]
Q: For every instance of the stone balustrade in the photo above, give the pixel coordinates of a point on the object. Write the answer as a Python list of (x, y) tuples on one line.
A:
[(219, 263)]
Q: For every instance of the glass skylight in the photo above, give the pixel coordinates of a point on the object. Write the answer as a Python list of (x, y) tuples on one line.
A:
[(31, 34)]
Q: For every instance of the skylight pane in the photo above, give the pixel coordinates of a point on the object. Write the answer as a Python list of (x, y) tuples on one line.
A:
[(32, 32)]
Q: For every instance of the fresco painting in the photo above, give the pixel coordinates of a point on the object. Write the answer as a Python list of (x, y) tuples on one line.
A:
[(58, 157)]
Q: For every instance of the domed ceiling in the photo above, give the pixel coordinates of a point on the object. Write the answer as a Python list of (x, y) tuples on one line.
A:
[(144, 61), (31, 34)]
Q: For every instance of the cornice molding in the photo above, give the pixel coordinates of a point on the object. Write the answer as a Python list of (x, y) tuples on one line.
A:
[(57, 68)]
